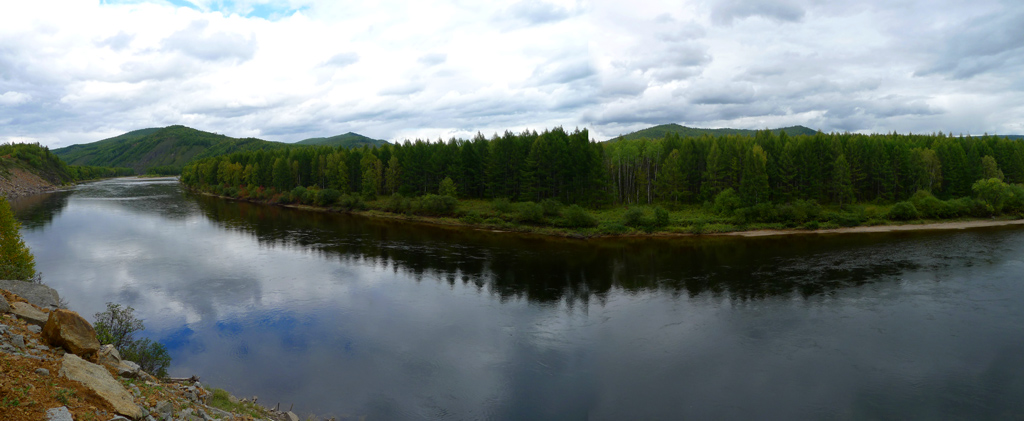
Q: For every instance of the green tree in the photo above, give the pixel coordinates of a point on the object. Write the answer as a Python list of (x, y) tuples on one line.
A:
[(989, 168), (117, 326), (993, 192), (754, 182), (16, 261), (842, 184), (447, 188)]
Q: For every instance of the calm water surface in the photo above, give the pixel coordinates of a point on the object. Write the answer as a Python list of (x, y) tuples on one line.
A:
[(349, 317)]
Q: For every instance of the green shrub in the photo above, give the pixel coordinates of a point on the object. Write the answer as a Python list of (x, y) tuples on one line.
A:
[(351, 202), (300, 195), (472, 217), (16, 260), (552, 207), (661, 217), (502, 205), (902, 211), (577, 217), (117, 326), (633, 217), (612, 228), (530, 212), (433, 204), (929, 206), (1015, 202), (727, 202), (327, 197)]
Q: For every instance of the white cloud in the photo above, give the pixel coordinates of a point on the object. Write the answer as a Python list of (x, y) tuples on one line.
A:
[(74, 71)]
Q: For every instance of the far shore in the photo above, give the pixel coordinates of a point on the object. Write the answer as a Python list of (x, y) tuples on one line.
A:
[(952, 225), (570, 234)]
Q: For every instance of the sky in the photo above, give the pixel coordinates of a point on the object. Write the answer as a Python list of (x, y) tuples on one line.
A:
[(76, 71)]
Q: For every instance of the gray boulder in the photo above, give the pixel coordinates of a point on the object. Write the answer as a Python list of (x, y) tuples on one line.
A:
[(5, 307), (99, 380), (38, 294), (28, 313), (58, 414)]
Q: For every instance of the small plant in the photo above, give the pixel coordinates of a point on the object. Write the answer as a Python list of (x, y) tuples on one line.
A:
[(577, 217), (62, 395), (634, 217), (117, 326), (502, 205)]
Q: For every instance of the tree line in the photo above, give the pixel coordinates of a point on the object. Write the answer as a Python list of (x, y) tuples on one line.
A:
[(838, 168)]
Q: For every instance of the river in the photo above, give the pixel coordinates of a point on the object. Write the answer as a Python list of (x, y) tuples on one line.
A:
[(352, 317)]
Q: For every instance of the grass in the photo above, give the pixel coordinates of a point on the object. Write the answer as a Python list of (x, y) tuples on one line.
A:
[(221, 399)]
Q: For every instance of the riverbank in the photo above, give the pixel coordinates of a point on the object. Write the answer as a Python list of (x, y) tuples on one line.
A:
[(476, 215), (19, 182), (49, 372)]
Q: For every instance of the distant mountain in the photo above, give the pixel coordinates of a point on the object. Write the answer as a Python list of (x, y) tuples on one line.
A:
[(658, 132), (163, 150), (347, 140)]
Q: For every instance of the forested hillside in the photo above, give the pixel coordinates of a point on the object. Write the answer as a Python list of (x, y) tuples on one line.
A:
[(661, 131), (347, 140), (159, 151), (40, 161)]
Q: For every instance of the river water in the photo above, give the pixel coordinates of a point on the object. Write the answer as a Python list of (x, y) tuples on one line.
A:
[(352, 317)]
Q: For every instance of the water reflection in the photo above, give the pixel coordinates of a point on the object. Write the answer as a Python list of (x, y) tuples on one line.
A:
[(552, 270), (345, 315)]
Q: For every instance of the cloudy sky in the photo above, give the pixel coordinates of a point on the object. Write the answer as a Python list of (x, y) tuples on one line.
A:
[(75, 71)]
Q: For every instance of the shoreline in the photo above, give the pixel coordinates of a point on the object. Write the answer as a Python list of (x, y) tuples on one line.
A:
[(556, 232)]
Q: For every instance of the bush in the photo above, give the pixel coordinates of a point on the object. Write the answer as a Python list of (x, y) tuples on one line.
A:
[(902, 211), (959, 207), (396, 203), (152, 357), (471, 218), (552, 207), (634, 217), (761, 212), (726, 202), (928, 206), (437, 205), (327, 197), (350, 202), (300, 195), (661, 217), (16, 260), (530, 212), (502, 205), (993, 193), (117, 326), (577, 217), (1015, 203)]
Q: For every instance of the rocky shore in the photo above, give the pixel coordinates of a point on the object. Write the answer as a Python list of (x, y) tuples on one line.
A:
[(18, 182), (53, 368)]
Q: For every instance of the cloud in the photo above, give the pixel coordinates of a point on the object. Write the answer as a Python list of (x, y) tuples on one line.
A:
[(14, 98), (535, 12), (343, 59), (432, 59), (728, 11), (88, 71), (213, 47), (979, 45)]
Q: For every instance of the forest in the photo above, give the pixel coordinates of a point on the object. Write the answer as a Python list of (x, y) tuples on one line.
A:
[(769, 177), (41, 161)]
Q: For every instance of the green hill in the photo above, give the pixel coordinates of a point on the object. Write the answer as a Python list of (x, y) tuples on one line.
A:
[(658, 132), (347, 140), (159, 150)]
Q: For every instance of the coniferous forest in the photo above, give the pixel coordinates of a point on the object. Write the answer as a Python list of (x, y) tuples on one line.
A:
[(697, 184)]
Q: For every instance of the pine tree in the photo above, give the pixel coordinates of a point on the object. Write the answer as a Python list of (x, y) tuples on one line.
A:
[(754, 182), (16, 261), (842, 184)]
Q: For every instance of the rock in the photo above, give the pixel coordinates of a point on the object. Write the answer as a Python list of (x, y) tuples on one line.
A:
[(135, 390), (26, 312), (129, 370), (291, 416), (165, 409), (68, 330), (38, 294), (42, 372), (108, 356), (119, 418), (59, 414), (97, 379), (5, 307), (34, 329), (18, 341)]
